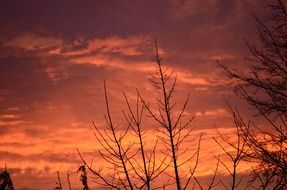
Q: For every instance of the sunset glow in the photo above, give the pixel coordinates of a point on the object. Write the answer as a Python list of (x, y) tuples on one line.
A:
[(55, 55)]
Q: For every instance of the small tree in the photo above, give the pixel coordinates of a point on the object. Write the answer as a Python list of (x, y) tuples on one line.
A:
[(235, 151), (6, 181), (113, 153), (84, 178)]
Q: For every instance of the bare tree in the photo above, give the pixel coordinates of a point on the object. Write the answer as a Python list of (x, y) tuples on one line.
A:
[(113, 153), (174, 129), (59, 183), (129, 172), (235, 151), (133, 165), (148, 170), (264, 87), (68, 180)]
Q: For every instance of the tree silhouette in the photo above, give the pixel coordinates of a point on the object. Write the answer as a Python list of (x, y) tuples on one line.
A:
[(235, 151), (135, 167), (84, 178), (129, 173), (173, 128), (148, 167), (6, 181), (264, 87), (113, 153)]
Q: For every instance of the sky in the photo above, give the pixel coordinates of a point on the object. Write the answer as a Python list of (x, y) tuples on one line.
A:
[(54, 56)]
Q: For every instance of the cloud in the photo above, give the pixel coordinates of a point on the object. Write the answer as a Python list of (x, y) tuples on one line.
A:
[(8, 116), (187, 8), (47, 158), (191, 79), (11, 120), (213, 113), (130, 46), (221, 57), (13, 123), (112, 52), (33, 41), (56, 74)]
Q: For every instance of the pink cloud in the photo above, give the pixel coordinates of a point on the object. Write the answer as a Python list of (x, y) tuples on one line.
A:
[(213, 113), (130, 46), (33, 41)]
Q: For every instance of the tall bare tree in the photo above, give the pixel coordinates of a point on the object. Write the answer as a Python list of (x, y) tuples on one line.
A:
[(174, 128), (129, 172), (264, 87)]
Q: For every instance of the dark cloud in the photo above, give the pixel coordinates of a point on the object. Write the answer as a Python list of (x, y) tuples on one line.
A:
[(90, 18), (59, 157)]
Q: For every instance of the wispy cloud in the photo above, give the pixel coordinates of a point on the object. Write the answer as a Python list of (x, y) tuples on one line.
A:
[(213, 113), (188, 8), (33, 41)]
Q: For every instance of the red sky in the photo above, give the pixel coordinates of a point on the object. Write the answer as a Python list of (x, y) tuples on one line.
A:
[(54, 56)]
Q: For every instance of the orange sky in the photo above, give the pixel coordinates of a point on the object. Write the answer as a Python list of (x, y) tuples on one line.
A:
[(55, 55)]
